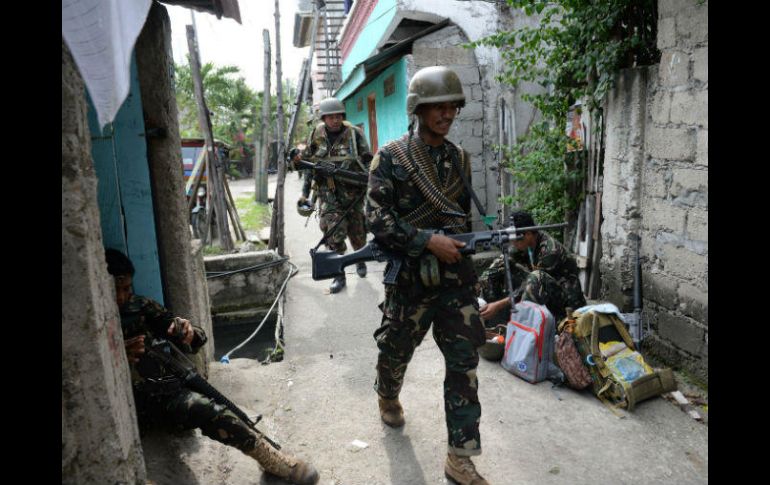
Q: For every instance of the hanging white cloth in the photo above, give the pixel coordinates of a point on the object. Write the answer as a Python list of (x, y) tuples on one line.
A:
[(101, 36)]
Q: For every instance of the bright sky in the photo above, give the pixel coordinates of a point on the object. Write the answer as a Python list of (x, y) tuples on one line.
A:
[(226, 42)]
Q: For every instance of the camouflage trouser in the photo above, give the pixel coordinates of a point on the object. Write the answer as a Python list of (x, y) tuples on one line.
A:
[(353, 225), (189, 410), (458, 331)]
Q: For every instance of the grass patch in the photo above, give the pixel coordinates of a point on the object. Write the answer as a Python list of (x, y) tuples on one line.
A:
[(254, 216), (211, 250)]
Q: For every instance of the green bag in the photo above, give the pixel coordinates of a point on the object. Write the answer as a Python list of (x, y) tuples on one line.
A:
[(621, 378)]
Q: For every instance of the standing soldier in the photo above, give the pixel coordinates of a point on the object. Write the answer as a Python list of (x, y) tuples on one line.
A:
[(416, 185), (339, 142), (542, 271)]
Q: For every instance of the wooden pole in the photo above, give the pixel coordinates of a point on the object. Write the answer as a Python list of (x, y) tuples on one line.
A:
[(215, 175), (240, 233), (260, 192), (276, 237)]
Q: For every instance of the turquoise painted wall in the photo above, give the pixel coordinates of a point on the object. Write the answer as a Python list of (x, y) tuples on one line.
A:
[(392, 121), (370, 35), (124, 193)]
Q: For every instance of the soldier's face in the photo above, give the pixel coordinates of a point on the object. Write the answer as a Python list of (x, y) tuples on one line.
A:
[(437, 117), (123, 289), (334, 121), (528, 241)]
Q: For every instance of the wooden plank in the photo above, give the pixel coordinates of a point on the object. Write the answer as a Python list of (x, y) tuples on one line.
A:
[(260, 192), (276, 238), (215, 170)]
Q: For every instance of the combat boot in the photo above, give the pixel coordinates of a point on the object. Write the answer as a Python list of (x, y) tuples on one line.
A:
[(462, 470), (361, 269), (283, 465), (391, 412), (338, 284)]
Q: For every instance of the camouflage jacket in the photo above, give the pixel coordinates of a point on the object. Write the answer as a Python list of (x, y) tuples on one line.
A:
[(340, 149), (145, 316), (392, 194), (548, 255)]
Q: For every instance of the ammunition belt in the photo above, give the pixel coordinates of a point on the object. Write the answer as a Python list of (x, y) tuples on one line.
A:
[(429, 213)]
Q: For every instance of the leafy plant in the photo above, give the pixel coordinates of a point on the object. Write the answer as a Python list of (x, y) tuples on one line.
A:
[(573, 53)]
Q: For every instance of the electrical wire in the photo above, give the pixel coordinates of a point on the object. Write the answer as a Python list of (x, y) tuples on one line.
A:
[(268, 264), (225, 359)]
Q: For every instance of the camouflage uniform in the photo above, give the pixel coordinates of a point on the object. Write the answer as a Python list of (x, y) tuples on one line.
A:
[(412, 305), (335, 197), (550, 279), (164, 399)]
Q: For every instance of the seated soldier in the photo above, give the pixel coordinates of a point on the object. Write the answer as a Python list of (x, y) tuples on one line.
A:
[(542, 271), (164, 399)]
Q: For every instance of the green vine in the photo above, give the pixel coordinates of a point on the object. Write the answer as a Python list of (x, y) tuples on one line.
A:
[(573, 52)]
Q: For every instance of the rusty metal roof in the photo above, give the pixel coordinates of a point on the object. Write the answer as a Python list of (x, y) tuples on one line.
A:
[(220, 8)]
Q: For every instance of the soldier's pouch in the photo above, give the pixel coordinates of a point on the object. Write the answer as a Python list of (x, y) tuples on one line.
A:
[(429, 271)]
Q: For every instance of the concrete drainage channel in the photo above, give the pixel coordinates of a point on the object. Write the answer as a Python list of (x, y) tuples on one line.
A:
[(244, 292)]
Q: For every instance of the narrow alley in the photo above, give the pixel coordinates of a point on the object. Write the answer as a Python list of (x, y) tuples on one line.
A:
[(320, 400)]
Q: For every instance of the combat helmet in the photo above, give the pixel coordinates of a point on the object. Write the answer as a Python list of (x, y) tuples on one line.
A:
[(305, 208), (330, 106), (435, 84)]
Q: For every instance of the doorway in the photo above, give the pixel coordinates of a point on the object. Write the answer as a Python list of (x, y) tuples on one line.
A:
[(372, 122)]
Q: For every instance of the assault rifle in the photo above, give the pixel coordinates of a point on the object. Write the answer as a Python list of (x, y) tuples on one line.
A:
[(327, 169), (328, 264), (172, 359)]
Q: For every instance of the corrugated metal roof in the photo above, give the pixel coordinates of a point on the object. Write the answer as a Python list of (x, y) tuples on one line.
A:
[(220, 8)]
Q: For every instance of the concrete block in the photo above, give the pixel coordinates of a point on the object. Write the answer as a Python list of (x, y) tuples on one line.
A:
[(690, 108), (425, 56), (692, 25), (660, 289), (661, 107), (689, 187), (455, 56), (682, 262), (674, 69), (467, 74), (669, 8), (655, 183), (697, 224), (666, 33), (702, 153), (670, 143), (694, 302), (658, 214), (682, 332), (473, 144), (472, 111), (700, 64)]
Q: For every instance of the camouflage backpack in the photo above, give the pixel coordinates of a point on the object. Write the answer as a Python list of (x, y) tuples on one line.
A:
[(620, 376)]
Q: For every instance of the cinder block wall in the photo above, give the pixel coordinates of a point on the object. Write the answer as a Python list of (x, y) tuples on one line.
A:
[(475, 128), (100, 438), (656, 185)]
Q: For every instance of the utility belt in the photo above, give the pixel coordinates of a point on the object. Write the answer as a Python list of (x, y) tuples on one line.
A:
[(427, 272)]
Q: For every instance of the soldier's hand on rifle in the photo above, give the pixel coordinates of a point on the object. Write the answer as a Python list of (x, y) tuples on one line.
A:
[(445, 248), (183, 329), (134, 348)]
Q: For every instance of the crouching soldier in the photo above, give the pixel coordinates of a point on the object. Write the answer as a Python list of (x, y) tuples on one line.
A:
[(542, 271), (165, 399)]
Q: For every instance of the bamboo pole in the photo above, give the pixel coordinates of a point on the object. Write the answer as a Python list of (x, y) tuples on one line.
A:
[(260, 192), (215, 176)]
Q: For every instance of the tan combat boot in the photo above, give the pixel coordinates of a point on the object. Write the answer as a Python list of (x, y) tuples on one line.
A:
[(391, 412), (283, 465), (461, 470)]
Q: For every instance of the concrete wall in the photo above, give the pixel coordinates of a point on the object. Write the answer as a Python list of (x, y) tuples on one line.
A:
[(656, 185), (100, 438), (247, 290), (182, 283), (473, 129)]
